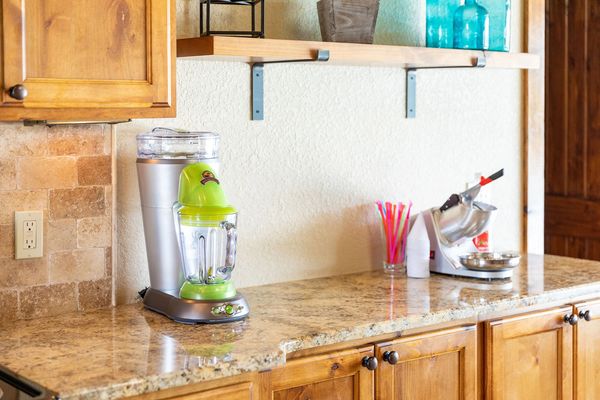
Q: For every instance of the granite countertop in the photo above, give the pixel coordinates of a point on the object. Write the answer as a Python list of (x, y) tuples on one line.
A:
[(127, 350)]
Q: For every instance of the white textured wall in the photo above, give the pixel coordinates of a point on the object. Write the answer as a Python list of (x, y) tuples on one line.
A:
[(334, 140)]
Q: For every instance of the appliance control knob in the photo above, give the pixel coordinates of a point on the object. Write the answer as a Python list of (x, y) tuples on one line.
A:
[(585, 315), (370, 363), (18, 92), (571, 319), (391, 357)]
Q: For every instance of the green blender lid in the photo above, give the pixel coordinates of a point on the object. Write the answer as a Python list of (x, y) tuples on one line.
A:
[(200, 193)]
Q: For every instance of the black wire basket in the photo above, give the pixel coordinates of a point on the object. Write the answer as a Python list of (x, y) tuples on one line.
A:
[(205, 11)]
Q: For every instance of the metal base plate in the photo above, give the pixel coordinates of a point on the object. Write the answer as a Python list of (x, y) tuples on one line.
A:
[(197, 311), (467, 273)]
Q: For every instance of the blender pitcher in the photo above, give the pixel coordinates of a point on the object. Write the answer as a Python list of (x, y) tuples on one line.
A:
[(206, 230)]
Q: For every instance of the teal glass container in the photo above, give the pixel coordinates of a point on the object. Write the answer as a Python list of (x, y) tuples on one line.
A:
[(499, 23), (471, 26), (440, 21)]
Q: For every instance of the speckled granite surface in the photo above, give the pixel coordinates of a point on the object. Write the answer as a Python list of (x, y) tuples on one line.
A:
[(127, 350)]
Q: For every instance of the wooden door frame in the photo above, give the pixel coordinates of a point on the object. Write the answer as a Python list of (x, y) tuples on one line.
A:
[(534, 134)]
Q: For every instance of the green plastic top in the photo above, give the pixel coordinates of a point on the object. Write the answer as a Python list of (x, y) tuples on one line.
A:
[(200, 192)]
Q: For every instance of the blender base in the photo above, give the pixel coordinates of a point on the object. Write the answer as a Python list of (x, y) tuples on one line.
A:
[(196, 311)]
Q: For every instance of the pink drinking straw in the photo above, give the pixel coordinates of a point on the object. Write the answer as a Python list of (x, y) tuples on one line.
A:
[(385, 228), (405, 230), (392, 229), (396, 239)]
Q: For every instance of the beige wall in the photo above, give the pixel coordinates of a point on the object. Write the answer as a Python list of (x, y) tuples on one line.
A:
[(334, 140), (66, 172)]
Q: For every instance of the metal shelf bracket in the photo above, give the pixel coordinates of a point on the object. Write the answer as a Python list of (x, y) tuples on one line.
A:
[(411, 83), (258, 79)]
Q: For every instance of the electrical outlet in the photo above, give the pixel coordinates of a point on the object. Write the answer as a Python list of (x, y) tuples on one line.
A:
[(29, 234)]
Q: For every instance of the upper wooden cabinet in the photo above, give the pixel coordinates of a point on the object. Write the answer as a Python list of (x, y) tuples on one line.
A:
[(530, 356), (433, 366), (88, 59)]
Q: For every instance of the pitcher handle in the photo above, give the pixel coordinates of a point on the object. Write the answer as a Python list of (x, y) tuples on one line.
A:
[(231, 244)]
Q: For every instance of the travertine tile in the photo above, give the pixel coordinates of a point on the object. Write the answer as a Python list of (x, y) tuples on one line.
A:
[(17, 140), (7, 241), (80, 202), (108, 138), (41, 169), (8, 174), (76, 140), (44, 301), (77, 265), (94, 170), (108, 262), (19, 273), (46, 172), (62, 235), (95, 294), (94, 232), (9, 305), (21, 200), (108, 195)]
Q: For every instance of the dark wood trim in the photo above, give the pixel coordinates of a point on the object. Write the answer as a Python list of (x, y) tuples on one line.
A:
[(572, 217)]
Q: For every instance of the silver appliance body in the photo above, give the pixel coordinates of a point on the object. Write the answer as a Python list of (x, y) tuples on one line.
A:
[(463, 221), (444, 258), (197, 311), (159, 185)]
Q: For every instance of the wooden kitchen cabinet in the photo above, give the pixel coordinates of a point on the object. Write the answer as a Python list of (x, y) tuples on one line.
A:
[(530, 356), (432, 366), (334, 376), (587, 351), (87, 59), (240, 387)]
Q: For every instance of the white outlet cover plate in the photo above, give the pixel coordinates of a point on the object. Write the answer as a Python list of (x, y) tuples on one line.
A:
[(29, 244)]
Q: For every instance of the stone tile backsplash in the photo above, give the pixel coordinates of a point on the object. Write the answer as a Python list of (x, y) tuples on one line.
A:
[(67, 173)]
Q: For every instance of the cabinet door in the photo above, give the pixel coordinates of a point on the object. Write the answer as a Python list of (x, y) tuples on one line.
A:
[(334, 376), (92, 57), (241, 391), (530, 357), (587, 351), (433, 366)]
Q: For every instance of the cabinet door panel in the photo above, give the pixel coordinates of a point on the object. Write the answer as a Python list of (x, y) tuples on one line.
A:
[(241, 391), (91, 54), (530, 356), (58, 39), (434, 366), (587, 353), (335, 376)]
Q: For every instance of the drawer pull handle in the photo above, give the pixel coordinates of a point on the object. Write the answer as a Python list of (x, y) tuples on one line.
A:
[(571, 319), (370, 363), (18, 92), (585, 315), (391, 357)]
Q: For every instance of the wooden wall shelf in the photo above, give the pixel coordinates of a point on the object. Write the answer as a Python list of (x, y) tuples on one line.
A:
[(267, 50), (259, 52)]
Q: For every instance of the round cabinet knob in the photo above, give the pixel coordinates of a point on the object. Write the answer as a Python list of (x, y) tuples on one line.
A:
[(391, 357), (585, 315), (370, 363), (18, 92), (571, 319)]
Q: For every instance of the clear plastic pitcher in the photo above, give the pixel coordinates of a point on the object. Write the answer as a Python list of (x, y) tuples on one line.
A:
[(208, 246)]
